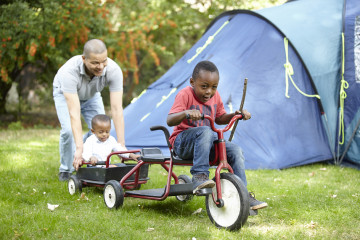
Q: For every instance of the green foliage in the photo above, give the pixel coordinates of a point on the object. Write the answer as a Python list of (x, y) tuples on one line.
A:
[(46, 33), (42, 126), (145, 37), (310, 202), (16, 126)]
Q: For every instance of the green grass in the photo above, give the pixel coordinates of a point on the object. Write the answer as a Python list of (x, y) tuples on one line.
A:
[(311, 202)]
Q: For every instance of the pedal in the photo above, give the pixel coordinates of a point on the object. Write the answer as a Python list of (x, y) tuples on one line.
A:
[(253, 212), (203, 192)]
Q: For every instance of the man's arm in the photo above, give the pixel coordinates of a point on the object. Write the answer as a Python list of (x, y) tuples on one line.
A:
[(73, 103), (117, 115)]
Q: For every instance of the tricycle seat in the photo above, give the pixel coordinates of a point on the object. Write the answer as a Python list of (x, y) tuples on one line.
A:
[(155, 155), (152, 155), (180, 161)]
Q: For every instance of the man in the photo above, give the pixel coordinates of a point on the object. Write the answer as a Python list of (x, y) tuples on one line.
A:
[(77, 86)]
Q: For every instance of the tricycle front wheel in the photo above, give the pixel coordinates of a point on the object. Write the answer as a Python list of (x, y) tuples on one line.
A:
[(234, 211)]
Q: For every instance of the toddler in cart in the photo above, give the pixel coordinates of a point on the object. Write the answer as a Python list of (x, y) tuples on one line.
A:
[(100, 144)]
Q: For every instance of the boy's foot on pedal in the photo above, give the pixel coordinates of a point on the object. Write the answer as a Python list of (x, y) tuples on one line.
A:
[(256, 204), (200, 181)]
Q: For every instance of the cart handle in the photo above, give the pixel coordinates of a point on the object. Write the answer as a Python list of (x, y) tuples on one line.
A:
[(107, 162)]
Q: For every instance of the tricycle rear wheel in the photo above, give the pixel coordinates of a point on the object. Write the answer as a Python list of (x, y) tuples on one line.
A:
[(183, 179)]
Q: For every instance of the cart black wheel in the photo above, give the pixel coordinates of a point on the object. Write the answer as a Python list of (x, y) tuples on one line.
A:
[(234, 213), (113, 194), (74, 185), (182, 180)]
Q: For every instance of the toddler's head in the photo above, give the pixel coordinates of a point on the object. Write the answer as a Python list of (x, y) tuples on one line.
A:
[(100, 126)]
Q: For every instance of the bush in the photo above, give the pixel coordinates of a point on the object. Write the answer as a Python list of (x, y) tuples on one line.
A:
[(16, 126)]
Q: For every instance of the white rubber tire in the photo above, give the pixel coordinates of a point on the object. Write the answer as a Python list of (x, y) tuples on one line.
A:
[(113, 194), (234, 213), (74, 185)]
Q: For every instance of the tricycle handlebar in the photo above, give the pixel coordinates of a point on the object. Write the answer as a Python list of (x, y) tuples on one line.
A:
[(228, 126)]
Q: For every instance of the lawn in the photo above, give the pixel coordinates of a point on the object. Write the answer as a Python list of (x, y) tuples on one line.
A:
[(317, 201)]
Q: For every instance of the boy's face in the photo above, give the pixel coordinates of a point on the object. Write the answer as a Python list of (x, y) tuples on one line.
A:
[(101, 130), (205, 85)]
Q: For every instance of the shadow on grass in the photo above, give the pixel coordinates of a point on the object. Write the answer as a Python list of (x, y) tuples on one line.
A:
[(169, 206)]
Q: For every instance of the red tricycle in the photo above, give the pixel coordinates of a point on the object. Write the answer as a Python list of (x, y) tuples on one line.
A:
[(227, 203)]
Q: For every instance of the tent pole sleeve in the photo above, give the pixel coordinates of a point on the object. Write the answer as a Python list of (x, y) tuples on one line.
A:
[(208, 41), (344, 85)]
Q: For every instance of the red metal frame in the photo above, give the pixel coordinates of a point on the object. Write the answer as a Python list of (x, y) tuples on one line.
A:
[(119, 152), (220, 159), (128, 185)]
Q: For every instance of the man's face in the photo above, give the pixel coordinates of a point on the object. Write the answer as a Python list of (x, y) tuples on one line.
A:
[(205, 85), (102, 130), (95, 63)]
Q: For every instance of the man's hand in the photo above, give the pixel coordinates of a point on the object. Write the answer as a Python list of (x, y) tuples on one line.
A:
[(77, 159)]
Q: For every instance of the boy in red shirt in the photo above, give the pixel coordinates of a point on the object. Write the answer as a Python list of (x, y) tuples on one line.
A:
[(193, 138)]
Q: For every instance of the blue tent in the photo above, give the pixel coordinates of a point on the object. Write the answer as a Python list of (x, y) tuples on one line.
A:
[(291, 55), (350, 85)]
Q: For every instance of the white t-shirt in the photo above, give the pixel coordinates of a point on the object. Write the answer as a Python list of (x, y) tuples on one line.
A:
[(100, 150)]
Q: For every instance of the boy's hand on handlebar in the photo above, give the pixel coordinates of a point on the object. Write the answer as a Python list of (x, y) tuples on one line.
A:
[(193, 114), (245, 114)]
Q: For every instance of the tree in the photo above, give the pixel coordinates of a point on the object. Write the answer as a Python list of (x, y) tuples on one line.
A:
[(145, 37), (162, 31), (42, 34), (46, 33)]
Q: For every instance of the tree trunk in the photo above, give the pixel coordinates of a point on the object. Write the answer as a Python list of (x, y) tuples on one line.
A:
[(4, 89)]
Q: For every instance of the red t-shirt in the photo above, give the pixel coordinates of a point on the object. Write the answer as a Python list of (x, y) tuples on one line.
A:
[(187, 100)]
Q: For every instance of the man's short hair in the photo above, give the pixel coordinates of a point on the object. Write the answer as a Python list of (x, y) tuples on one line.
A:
[(100, 118), (94, 46), (204, 65)]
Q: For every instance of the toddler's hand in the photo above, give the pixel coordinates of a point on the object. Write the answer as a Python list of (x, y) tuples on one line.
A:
[(134, 156), (93, 160)]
